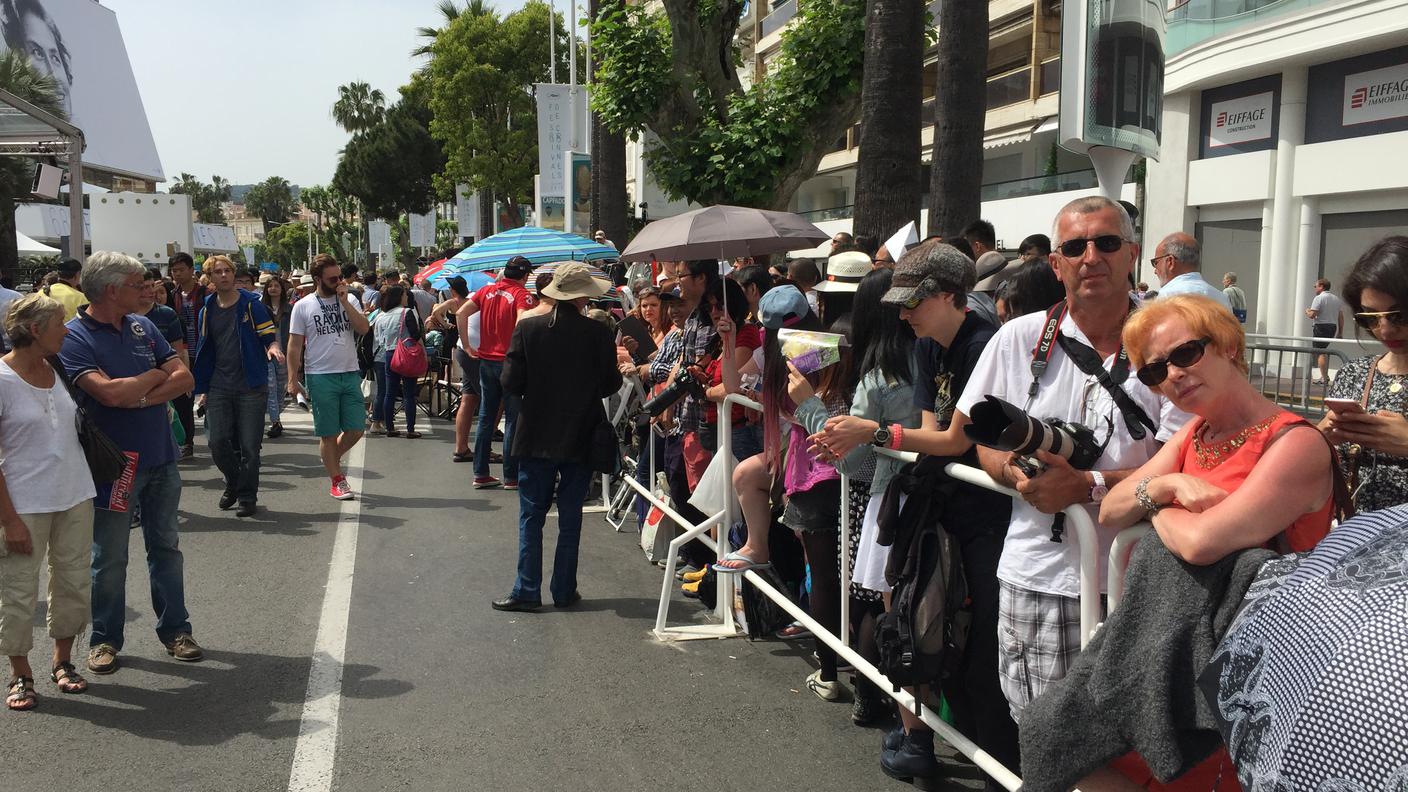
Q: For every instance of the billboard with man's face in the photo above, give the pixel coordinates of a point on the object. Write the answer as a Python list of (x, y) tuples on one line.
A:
[(79, 43)]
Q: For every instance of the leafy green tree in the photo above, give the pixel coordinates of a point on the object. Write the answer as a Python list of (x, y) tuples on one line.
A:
[(287, 244), (481, 76), (955, 189), (449, 11), (206, 199), (271, 200), (390, 167), (674, 74), (20, 78), (358, 107)]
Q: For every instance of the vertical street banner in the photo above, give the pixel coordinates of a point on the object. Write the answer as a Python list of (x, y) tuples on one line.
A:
[(422, 229), (557, 106), (467, 211), (579, 188)]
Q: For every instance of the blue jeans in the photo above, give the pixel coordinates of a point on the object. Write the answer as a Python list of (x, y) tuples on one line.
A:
[(396, 386), (234, 429), (158, 491), (278, 379), (747, 440), (537, 481), (379, 377), (649, 442), (491, 395)]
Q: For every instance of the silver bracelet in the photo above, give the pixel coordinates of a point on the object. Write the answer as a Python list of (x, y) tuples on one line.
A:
[(1141, 495)]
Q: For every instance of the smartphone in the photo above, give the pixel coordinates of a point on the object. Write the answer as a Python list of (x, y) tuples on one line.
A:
[(1344, 405)]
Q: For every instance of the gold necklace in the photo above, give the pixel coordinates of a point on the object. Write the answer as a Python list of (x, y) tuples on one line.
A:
[(1210, 455)]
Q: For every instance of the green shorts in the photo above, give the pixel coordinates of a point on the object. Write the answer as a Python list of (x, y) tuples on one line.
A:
[(337, 403)]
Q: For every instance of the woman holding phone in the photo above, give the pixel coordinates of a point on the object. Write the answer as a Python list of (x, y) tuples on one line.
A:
[(1369, 395)]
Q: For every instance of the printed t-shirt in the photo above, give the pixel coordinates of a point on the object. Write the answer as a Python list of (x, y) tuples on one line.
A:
[(1030, 560), (328, 343), (499, 303), (168, 323)]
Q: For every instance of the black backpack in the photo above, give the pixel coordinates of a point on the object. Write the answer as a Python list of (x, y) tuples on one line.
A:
[(921, 638)]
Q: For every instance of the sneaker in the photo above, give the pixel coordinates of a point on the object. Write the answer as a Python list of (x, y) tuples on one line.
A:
[(102, 659), (684, 573), (868, 709), (694, 577), (246, 509), (486, 482), (341, 490), (275, 429), (184, 648), (187, 451), (511, 484), (302, 402), (826, 691), (1317, 380), (227, 501)]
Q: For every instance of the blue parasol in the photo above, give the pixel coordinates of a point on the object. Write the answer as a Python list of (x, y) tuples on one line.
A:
[(538, 245)]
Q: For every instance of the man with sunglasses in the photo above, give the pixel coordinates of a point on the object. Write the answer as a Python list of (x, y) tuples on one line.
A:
[(1326, 314), (1176, 261), (1067, 363)]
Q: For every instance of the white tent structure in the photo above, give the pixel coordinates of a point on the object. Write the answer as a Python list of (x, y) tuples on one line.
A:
[(27, 131), (29, 247)]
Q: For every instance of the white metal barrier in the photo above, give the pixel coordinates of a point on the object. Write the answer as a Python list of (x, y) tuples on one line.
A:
[(1077, 519)]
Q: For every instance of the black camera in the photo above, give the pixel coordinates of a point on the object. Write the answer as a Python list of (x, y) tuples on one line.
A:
[(1006, 427), (683, 384)]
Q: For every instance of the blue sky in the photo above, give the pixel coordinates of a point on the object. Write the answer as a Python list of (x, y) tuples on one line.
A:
[(245, 89)]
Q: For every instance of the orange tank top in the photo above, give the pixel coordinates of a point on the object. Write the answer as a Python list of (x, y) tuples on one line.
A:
[(1234, 467)]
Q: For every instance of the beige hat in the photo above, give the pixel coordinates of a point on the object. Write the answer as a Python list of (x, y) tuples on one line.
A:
[(305, 282), (844, 272), (574, 280)]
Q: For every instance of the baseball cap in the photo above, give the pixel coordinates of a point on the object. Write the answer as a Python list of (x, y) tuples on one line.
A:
[(929, 269), (517, 267), (672, 294), (782, 307)]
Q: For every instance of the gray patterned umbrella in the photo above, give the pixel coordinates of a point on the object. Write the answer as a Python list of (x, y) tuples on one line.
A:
[(1311, 680)]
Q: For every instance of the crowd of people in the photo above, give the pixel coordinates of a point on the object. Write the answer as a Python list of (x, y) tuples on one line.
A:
[(926, 338)]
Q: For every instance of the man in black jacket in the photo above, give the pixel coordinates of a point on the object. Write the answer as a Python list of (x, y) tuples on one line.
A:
[(561, 365)]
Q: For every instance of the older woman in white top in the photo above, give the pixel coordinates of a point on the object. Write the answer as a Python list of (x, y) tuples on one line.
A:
[(46, 500)]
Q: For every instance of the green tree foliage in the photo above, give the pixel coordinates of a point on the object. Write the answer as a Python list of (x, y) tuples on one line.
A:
[(390, 167), (358, 107), (206, 199), (286, 244), (449, 11), (19, 77), (481, 76), (674, 75), (271, 199), (335, 219)]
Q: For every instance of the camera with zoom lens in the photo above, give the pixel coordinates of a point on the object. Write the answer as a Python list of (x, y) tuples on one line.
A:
[(683, 384), (1006, 427)]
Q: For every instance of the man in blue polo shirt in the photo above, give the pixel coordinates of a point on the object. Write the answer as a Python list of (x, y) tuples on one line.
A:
[(127, 372)]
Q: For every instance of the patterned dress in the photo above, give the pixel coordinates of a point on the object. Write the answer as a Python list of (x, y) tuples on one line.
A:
[(1383, 478)]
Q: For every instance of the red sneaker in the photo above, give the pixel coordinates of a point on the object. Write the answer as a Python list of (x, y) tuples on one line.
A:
[(486, 482), (511, 484), (341, 490)]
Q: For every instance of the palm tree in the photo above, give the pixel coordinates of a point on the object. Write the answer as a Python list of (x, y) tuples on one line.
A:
[(19, 77), (359, 107), (450, 12), (888, 171), (955, 190)]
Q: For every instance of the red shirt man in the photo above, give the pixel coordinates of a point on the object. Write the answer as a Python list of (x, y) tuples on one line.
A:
[(499, 304)]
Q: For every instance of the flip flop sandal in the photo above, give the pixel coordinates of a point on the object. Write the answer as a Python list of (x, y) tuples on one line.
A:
[(68, 679), (746, 564), (21, 694), (467, 456)]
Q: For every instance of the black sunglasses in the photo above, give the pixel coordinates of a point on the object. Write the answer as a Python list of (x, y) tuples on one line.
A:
[(1370, 319), (1108, 243), (1184, 355)]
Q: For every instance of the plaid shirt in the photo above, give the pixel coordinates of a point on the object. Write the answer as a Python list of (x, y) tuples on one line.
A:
[(699, 335), (666, 358)]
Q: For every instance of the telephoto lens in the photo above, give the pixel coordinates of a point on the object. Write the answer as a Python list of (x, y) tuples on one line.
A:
[(1007, 427)]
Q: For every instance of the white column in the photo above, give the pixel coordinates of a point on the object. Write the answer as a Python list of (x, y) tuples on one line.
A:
[(1281, 318), (1307, 262), (1264, 271)]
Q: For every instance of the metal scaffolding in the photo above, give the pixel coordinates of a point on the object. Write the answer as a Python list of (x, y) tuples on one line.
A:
[(27, 131)]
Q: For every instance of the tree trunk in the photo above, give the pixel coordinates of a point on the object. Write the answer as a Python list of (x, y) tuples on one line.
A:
[(888, 170), (486, 214), (9, 245), (955, 192), (609, 209)]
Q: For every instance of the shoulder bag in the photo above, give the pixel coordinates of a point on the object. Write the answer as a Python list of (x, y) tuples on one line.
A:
[(105, 459), (409, 358)]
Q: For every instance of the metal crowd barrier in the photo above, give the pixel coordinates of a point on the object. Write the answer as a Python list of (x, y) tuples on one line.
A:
[(1077, 519)]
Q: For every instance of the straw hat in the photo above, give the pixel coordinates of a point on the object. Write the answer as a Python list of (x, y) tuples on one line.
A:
[(574, 280), (844, 272)]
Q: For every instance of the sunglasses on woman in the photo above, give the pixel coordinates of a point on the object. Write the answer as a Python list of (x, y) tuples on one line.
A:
[(1108, 243), (1370, 319), (1184, 355)]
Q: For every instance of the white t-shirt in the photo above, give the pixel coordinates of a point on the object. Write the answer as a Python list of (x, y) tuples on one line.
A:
[(1030, 560), (45, 470), (1327, 308), (329, 346)]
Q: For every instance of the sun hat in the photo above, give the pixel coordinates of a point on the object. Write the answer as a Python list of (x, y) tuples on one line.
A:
[(928, 270), (782, 307), (305, 282), (574, 280), (264, 278), (844, 272)]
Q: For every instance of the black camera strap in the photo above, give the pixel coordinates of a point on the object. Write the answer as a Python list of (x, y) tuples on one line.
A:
[(1089, 362)]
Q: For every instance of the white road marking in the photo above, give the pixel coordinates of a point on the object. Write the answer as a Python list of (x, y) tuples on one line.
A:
[(315, 754)]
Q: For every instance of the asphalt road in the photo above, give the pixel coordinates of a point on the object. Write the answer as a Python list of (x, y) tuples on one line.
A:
[(438, 691)]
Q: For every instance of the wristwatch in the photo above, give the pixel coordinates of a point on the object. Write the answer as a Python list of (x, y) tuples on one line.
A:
[(1098, 490), (1141, 496), (142, 403), (882, 437)]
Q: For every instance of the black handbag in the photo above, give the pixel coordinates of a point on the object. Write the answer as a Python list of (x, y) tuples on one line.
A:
[(605, 453), (106, 461)]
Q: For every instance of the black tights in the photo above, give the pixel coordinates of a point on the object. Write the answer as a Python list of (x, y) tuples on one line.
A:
[(825, 595), (863, 616)]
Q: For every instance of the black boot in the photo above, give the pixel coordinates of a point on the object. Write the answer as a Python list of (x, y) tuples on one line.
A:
[(913, 760), (871, 707)]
